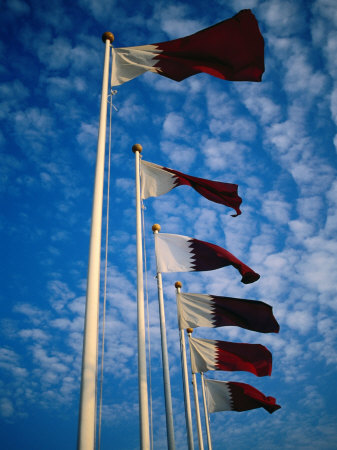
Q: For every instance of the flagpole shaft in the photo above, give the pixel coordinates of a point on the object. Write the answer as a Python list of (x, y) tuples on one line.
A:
[(196, 398), (142, 370), (208, 431), (166, 370), (187, 398), (197, 412), (87, 412)]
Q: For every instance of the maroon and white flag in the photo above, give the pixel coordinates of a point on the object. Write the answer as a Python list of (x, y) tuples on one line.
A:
[(158, 180), (207, 354), (232, 50), (233, 396), (176, 253), (200, 310)]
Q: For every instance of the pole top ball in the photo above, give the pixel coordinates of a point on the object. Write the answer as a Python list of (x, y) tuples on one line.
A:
[(156, 227), (137, 148), (107, 35), (178, 284), (189, 330)]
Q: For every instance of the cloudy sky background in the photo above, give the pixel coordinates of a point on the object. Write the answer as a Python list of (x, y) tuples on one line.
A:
[(276, 139)]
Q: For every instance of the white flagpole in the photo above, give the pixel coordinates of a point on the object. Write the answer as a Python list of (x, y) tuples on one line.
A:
[(196, 399), (142, 371), (187, 398), (208, 431), (166, 370), (87, 411)]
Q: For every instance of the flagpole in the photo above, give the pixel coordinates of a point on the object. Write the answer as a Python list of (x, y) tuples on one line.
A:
[(142, 371), (208, 431), (187, 398), (87, 410), (166, 370), (196, 399)]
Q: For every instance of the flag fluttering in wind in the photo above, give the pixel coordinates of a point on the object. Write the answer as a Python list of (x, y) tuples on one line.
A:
[(233, 396), (176, 253), (207, 354), (232, 50), (200, 310), (158, 180)]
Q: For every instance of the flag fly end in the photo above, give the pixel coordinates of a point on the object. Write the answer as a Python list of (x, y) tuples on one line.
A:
[(250, 277)]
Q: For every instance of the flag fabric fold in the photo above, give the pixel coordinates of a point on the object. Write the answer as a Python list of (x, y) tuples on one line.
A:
[(207, 354), (231, 50), (177, 253), (200, 310), (233, 396), (158, 180)]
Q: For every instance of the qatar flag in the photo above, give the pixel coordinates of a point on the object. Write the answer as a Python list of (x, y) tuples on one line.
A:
[(176, 253), (207, 354), (200, 310), (158, 180), (233, 396), (232, 50)]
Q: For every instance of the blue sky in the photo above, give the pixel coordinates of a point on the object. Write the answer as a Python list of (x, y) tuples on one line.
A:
[(276, 139)]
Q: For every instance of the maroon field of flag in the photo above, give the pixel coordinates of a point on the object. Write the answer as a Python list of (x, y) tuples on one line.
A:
[(207, 354), (200, 310), (232, 50), (176, 253), (158, 180), (233, 396)]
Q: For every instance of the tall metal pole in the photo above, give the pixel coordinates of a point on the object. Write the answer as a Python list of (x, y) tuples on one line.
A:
[(166, 370), (187, 398), (88, 397), (142, 372), (208, 431), (196, 401)]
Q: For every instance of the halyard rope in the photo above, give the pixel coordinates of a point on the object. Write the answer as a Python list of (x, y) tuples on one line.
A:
[(148, 327)]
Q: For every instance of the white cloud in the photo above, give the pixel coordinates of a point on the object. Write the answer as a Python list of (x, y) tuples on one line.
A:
[(301, 229), (18, 7), (174, 125), (181, 157), (275, 208), (224, 155), (6, 408), (283, 18), (310, 208), (263, 107), (87, 138), (301, 321), (35, 334), (174, 21), (60, 294), (237, 128), (99, 10), (33, 125)]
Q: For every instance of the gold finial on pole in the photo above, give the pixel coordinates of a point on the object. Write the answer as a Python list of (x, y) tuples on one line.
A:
[(108, 35), (156, 227), (178, 284), (137, 148), (189, 330)]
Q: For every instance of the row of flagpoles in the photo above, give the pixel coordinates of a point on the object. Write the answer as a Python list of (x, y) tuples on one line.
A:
[(175, 253), (232, 50)]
